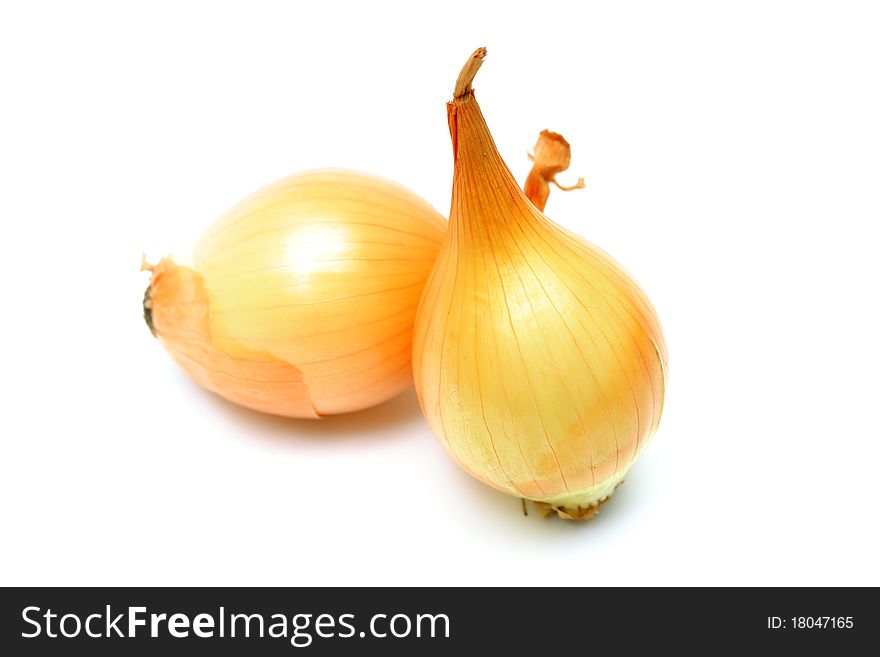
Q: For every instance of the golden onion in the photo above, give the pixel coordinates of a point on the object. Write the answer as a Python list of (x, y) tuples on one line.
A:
[(539, 363), (300, 300)]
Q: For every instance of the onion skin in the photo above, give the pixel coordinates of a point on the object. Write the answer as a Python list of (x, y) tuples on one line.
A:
[(301, 299), (539, 363), (552, 156)]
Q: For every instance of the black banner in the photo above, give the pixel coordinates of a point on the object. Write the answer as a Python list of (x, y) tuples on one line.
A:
[(278, 621)]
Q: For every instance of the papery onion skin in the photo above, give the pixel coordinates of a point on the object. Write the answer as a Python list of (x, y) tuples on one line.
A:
[(301, 299), (551, 157), (539, 363)]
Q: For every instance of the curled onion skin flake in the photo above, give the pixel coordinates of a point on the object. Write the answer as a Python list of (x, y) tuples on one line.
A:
[(301, 299), (552, 156), (539, 363)]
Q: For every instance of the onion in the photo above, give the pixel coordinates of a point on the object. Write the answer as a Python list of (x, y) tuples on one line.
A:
[(301, 299), (539, 363)]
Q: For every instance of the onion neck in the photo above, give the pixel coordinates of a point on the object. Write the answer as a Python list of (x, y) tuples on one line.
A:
[(485, 195)]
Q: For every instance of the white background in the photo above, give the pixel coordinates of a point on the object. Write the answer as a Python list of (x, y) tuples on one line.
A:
[(732, 157)]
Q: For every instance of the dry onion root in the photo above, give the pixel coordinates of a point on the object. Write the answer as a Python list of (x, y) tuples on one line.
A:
[(539, 363), (301, 299)]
